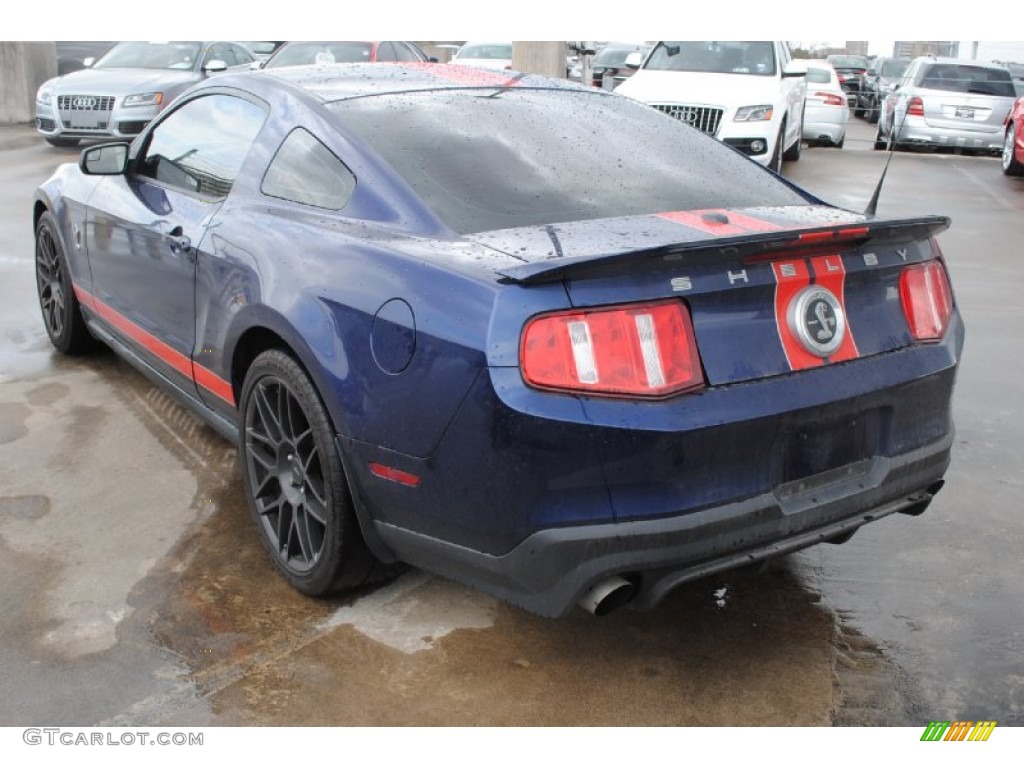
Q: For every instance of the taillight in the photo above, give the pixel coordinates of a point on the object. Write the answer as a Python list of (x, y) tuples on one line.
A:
[(830, 99), (915, 107), (927, 300), (639, 350)]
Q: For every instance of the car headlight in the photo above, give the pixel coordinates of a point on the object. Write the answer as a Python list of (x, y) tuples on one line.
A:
[(754, 113), (144, 99), (44, 95)]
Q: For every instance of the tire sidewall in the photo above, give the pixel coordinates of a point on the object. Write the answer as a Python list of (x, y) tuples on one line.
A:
[(339, 527)]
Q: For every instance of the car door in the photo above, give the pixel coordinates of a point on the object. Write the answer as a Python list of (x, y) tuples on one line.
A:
[(145, 230), (793, 89)]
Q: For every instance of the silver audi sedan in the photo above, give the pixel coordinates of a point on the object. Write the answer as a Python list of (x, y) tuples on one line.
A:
[(126, 88)]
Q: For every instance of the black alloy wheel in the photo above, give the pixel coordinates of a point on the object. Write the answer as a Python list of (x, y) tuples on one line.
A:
[(295, 482), (62, 315)]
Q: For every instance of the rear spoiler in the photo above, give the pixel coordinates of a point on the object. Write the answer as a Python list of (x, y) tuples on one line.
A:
[(750, 247)]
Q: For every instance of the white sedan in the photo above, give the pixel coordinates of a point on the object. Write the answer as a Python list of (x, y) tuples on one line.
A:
[(485, 55), (826, 112)]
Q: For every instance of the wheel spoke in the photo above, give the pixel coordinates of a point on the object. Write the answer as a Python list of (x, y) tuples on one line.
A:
[(267, 414), (314, 507), (301, 526)]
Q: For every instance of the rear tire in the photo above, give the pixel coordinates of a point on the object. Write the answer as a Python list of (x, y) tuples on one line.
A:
[(880, 141), (1011, 166), (62, 315), (295, 483)]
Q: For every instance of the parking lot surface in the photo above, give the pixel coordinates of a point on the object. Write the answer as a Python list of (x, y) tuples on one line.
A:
[(136, 590)]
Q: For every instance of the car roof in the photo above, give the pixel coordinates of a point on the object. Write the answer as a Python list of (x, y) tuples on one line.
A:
[(337, 82)]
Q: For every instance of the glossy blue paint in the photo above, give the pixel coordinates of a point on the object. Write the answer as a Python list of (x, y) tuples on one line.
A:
[(411, 335)]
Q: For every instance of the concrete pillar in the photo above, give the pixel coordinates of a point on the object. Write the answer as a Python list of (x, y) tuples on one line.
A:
[(23, 68), (539, 58)]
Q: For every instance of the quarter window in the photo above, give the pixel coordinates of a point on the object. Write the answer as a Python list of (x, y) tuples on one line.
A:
[(305, 171), (201, 146)]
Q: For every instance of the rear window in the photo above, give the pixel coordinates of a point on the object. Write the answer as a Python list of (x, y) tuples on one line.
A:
[(848, 62), (485, 159), (815, 75), (963, 78)]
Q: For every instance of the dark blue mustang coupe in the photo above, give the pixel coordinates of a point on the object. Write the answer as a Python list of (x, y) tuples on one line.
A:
[(532, 336)]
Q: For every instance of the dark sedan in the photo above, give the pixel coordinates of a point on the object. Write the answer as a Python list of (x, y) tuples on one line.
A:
[(851, 69), (372, 278)]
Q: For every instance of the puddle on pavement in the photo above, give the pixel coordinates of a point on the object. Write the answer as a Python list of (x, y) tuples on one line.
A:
[(213, 635)]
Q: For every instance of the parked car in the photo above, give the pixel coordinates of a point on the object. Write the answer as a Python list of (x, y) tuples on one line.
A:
[(610, 63), (826, 113), (484, 55), (948, 103), (1013, 140), (746, 94), (851, 69), (300, 53), (126, 88), (427, 349), (882, 76)]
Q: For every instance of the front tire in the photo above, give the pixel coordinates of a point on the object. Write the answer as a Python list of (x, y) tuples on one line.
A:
[(1011, 166), (62, 315), (775, 164), (295, 483), (793, 153)]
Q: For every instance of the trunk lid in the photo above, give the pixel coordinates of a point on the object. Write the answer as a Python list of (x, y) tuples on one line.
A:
[(742, 274)]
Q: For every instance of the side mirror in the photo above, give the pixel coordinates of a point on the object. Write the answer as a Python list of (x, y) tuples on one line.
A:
[(256, 65), (104, 159), (634, 59), (88, 61), (214, 65), (793, 70), (433, 59)]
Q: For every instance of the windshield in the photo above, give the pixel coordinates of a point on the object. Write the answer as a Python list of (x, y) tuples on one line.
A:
[(486, 51), (485, 159), (894, 68), (732, 57), (961, 78), (297, 54), (137, 55), (615, 56)]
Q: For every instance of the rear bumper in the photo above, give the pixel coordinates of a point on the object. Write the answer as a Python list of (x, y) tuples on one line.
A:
[(535, 498), (915, 130), (550, 570)]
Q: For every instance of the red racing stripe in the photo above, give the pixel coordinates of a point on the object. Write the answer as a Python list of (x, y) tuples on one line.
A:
[(457, 73), (159, 349), (719, 222), (791, 277)]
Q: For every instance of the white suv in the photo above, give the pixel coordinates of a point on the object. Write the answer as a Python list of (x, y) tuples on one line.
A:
[(745, 93)]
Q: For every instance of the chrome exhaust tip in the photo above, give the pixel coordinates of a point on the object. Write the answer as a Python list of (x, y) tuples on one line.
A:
[(607, 595)]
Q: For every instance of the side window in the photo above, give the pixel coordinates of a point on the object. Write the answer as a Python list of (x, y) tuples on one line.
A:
[(241, 55), (200, 146), (386, 52), (305, 171), (403, 52), (217, 52)]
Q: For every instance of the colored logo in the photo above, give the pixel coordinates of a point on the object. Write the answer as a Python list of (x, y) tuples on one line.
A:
[(961, 730), (816, 319)]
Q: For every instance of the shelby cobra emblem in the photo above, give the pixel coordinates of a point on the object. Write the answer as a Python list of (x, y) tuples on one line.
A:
[(816, 318)]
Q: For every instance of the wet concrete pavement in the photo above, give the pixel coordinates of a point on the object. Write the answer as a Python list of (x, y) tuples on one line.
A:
[(135, 591)]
